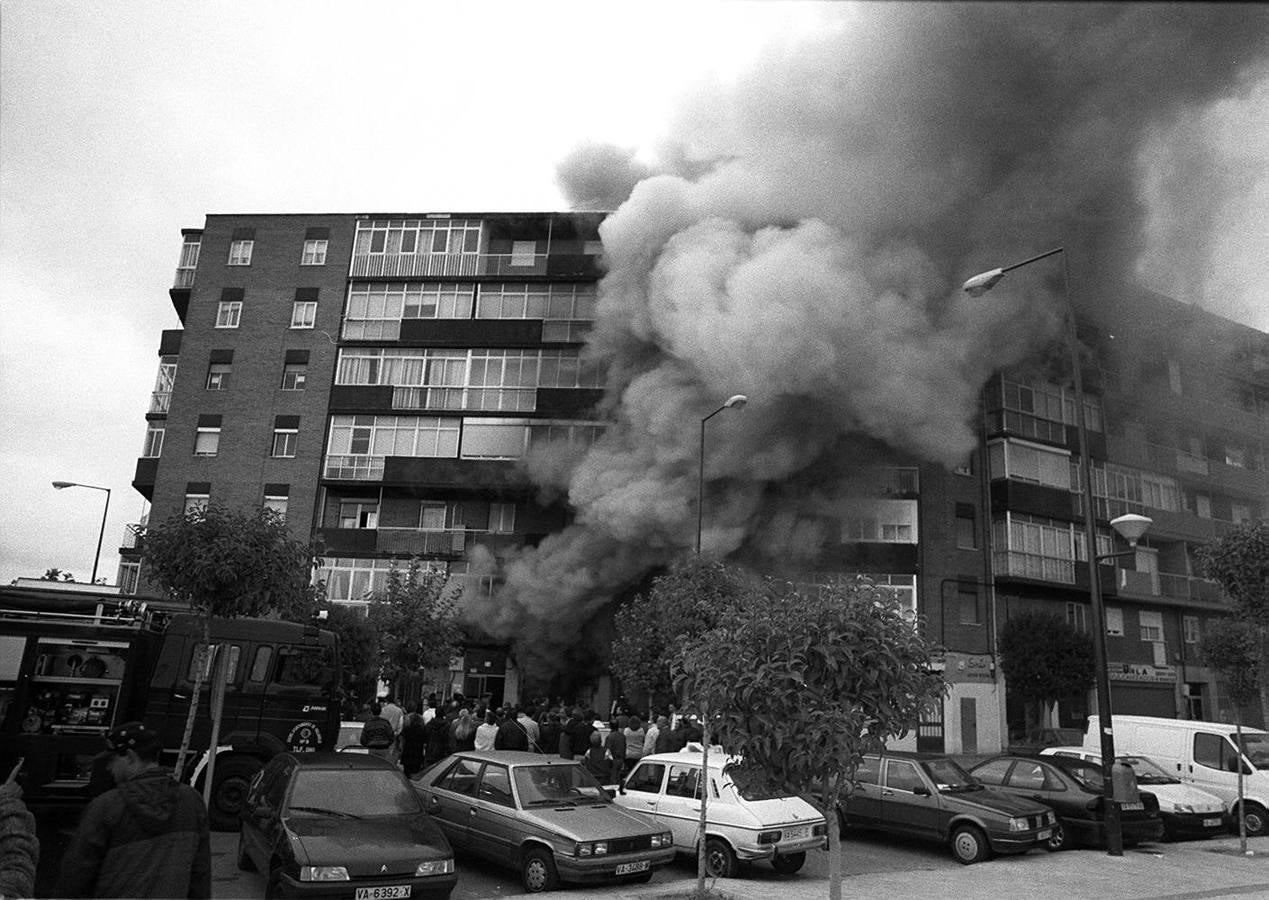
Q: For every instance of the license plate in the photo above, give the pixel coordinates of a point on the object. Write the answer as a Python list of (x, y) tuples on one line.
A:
[(1044, 835), (392, 892), (795, 834), (1211, 823), (631, 868), (1132, 804)]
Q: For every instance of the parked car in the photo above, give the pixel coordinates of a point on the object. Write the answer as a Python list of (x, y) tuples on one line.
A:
[(1035, 741), (1186, 811), (742, 825), (1072, 788), (933, 797), (546, 816), (342, 825)]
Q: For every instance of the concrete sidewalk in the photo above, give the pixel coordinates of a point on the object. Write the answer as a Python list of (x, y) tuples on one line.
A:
[(1200, 869)]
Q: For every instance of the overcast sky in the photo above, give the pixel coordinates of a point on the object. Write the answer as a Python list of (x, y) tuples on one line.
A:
[(123, 122)]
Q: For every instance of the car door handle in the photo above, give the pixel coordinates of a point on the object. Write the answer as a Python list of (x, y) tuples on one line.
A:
[(650, 802), (1037, 797), (887, 793)]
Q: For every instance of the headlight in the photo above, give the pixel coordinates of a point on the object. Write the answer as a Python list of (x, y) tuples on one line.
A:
[(601, 848), (592, 848), (1182, 808), (1017, 824), (662, 840), (768, 837), (323, 873), (435, 867)]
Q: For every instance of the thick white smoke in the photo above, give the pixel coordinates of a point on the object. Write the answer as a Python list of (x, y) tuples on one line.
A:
[(844, 189)]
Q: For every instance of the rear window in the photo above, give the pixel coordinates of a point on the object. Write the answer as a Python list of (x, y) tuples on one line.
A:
[(993, 771)]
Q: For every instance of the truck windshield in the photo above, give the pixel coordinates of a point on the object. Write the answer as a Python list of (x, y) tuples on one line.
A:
[(1255, 747)]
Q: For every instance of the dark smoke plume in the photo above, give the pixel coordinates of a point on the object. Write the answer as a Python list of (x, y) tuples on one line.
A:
[(851, 182)]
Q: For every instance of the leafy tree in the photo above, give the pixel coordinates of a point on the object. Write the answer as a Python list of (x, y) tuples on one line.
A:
[(358, 646), (228, 564), (798, 688), (416, 618), (693, 597), (1044, 659), (1232, 647), (1239, 562), (56, 574)]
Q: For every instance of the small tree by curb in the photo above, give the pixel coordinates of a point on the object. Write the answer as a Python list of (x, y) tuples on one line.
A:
[(416, 618), (1044, 659), (1239, 562), (1232, 647)]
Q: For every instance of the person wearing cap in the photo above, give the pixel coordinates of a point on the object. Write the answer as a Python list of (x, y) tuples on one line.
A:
[(147, 837)]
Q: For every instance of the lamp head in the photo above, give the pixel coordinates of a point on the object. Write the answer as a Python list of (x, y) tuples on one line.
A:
[(1131, 527), (736, 401), (63, 484), (983, 282)]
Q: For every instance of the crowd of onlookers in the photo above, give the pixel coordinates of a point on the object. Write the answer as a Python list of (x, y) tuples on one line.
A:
[(435, 729)]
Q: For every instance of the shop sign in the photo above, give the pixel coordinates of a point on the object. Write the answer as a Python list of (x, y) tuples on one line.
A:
[(1140, 672), (969, 667)]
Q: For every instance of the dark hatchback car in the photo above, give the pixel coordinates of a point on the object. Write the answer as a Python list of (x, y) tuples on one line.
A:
[(1072, 788), (548, 817), (933, 797), (342, 825)]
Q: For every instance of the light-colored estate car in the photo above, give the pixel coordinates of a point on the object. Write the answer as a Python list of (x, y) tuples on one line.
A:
[(740, 826), (545, 816), (1186, 811)]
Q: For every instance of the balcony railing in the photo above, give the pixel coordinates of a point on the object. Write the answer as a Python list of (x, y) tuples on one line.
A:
[(419, 542), (358, 467), (133, 536), (184, 278), (484, 399), (449, 265), (1187, 587), (1032, 565), (160, 401), (886, 480)]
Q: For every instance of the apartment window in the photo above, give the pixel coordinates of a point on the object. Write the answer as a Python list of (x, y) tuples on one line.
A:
[(240, 253), (502, 518), (1151, 623), (228, 313), (207, 441), (303, 314), (359, 514), (277, 503), (1114, 621), (1240, 513), (970, 609), (218, 376), (1034, 547), (1190, 629), (294, 376), (885, 521), (432, 517), (494, 438), (284, 442), (966, 532), (1031, 463), (196, 502), (1203, 506), (153, 442), (314, 253), (129, 576), (523, 253), (1077, 616)]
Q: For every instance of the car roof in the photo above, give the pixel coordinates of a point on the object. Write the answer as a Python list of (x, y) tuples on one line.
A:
[(909, 754), (692, 755), (325, 759), (516, 758)]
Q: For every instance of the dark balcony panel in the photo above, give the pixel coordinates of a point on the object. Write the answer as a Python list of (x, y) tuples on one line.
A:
[(452, 472), (505, 229), (180, 301), (875, 557), (143, 480), (472, 332), (357, 398), (1036, 499), (568, 266), (170, 342), (569, 403), (350, 541)]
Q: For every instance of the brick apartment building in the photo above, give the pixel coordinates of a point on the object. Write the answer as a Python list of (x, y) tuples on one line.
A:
[(377, 378)]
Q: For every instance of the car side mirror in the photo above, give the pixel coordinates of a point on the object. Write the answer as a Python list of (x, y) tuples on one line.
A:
[(921, 790)]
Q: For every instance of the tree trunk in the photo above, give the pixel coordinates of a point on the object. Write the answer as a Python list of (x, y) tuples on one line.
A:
[(702, 785), (834, 840), (1242, 819), (221, 660), (1264, 687), (179, 771)]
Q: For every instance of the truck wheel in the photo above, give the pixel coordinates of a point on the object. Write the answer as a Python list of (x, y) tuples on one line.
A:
[(788, 863), (1256, 818), (720, 862), (969, 844), (229, 790), (538, 872)]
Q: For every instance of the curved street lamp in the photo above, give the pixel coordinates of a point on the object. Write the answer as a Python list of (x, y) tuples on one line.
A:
[(735, 401), (62, 485)]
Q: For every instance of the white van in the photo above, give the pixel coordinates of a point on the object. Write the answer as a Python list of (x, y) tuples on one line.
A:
[(1202, 754)]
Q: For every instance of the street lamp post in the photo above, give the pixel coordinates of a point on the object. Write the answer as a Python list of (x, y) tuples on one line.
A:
[(976, 287), (61, 485), (736, 401)]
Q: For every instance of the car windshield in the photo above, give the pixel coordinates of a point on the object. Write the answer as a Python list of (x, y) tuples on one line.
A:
[(950, 777), (351, 793), (1148, 772), (557, 785), (1256, 748)]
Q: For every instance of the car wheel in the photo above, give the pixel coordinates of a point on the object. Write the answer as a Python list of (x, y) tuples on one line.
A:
[(969, 844), (1256, 819), (229, 791), (538, 872), (244, 859), (788, 863), (720, 862), (1059, 840)]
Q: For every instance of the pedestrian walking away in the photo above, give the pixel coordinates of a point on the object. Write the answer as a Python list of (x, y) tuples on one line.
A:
[(377, 734), (147, 837)]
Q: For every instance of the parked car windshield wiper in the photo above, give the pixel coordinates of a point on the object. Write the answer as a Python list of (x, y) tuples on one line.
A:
[(321, 810)]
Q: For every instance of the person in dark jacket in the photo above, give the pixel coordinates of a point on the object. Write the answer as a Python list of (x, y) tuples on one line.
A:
[(615, 744), (148, 837), (599, 762), (437, 739), (511, 734), (549, 733), (413, 745), (578, 731), (377, 734)]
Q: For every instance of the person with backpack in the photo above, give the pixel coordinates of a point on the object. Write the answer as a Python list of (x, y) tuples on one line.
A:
[(377, 734)]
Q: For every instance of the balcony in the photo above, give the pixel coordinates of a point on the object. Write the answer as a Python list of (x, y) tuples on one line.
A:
[(1031, 565), (133, 536), (483, 399), (159, 402), (358, 467), (418, 542), (887, 481), (1187, 587), (184, 278), (447, 265)]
